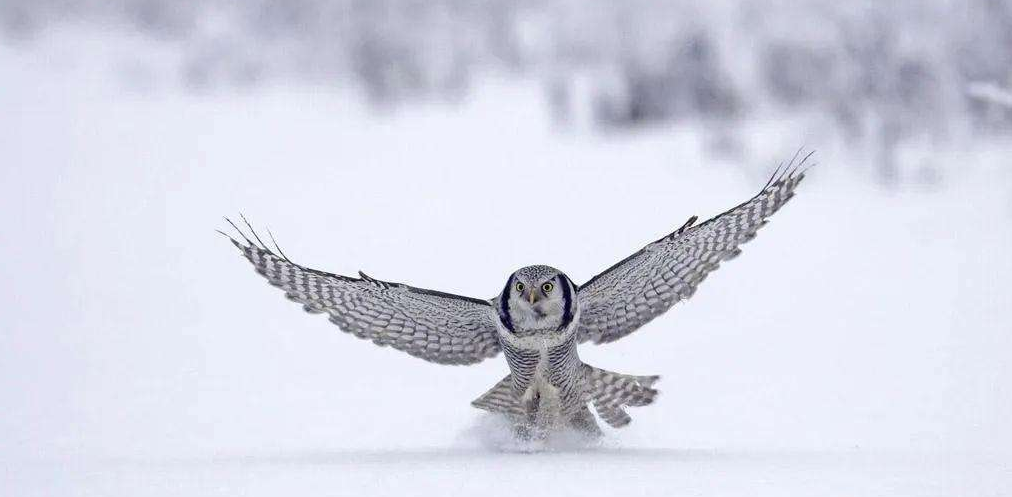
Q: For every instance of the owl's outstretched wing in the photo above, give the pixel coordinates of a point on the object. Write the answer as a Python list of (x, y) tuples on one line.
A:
[(644, 285), (435, 326)]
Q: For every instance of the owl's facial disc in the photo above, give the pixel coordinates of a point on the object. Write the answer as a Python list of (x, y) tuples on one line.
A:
[(537, 298)]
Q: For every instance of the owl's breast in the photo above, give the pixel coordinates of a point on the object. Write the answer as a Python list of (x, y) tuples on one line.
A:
[(544, 371)]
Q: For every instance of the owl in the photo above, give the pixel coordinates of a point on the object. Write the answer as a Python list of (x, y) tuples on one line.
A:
[(538, 319)]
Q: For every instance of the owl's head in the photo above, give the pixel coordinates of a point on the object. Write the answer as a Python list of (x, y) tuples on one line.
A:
[(537, 298)]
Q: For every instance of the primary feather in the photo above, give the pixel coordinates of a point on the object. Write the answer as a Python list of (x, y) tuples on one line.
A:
[(435, 326), (644, 285)]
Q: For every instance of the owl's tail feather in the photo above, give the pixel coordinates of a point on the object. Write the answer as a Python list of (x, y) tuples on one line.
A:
[(610, 392), (500, 399)]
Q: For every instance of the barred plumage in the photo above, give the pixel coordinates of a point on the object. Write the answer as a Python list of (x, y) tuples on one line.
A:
[(435, 326), (539, 317), (610, 392), (646, 284)]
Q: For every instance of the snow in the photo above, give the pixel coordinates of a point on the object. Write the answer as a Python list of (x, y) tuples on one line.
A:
[(629, 471), (857, 347)]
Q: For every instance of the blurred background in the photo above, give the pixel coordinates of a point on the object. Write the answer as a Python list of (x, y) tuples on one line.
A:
[(397, 137)]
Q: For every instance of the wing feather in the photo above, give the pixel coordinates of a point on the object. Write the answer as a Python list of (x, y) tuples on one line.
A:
[(435, 326), (644, 285)]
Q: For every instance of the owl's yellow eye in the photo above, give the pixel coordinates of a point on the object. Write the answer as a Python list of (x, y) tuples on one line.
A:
[(547, 287), (519, 286)]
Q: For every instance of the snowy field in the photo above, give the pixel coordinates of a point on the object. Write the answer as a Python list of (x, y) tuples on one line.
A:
[(859, 346)]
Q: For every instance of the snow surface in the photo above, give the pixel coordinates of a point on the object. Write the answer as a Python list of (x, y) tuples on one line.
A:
[(454, 471), (858, 347)]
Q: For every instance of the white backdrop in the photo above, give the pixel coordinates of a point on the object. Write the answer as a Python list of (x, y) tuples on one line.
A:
[(858, 346)]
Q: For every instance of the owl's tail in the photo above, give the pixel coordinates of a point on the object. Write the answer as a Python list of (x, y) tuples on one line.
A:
[(500, 399), (610, 392)]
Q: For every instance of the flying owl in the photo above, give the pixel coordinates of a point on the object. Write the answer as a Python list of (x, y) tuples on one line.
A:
[(539, 318)]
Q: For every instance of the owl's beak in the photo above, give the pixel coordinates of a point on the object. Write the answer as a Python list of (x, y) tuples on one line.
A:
[(532, 296)]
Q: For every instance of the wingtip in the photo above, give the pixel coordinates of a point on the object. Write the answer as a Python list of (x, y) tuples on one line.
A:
[(277, 247), (799, 169), (259, 244), (794, 170), (237, 230), (262, 246), (233, 240)]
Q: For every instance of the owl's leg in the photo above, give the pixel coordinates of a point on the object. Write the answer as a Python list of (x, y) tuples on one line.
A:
[(525, 427), (531, 425), (583, 422)]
